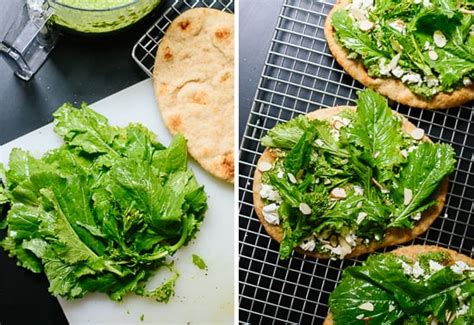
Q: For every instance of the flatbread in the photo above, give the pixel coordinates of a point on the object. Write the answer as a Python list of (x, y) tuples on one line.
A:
[(411, 252), (390, 87), (394, 236), (194, 86)]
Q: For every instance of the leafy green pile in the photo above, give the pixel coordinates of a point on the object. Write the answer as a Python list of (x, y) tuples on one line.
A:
[(386, 290), (103, 211), (369, 158), (402, 33)]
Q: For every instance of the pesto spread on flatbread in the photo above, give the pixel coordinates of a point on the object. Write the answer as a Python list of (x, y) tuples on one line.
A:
[(428, 45), (341, 182), (411, 285)]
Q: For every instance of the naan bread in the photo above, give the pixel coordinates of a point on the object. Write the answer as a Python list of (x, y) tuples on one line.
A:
[(394, 236), (411, 252), (194, 85), (389, 87)]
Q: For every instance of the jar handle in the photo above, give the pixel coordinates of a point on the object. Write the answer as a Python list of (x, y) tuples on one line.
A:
[(29, 40)]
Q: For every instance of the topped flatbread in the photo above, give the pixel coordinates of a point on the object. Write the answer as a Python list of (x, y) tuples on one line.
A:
[(449, 83), (194, 86), (326, 207)]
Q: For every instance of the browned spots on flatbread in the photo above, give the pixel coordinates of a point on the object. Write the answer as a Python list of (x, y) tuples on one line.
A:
[(199, 97), (175, 123), (184, 24), (223, 33), (394, 236), (225, 77), (201, 45), (163, 89), (228, 164), (167, 55), (411, 252), (390, 87)]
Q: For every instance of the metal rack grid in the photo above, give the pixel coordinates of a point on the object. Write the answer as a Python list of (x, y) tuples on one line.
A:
[(300, 75), (144, 51)]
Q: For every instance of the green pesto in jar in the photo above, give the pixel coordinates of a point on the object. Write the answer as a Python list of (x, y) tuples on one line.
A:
[(100, 16)]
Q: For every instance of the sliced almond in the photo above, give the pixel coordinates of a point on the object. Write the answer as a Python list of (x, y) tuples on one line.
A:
[(305, 209), (367, 306), (433, 55), (264, 166), (407, 196), (338, 193), (439, 39), (366, 25), (417, 133), (292, 178)]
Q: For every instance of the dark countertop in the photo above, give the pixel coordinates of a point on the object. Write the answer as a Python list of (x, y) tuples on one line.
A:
[(255, 33)]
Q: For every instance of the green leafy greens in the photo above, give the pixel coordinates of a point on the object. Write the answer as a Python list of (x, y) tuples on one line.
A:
[(396, 39), (102, 212), (389, 289), (337, 184)]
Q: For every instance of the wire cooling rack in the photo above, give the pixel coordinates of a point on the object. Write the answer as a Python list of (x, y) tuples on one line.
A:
[(300, 75), (144, 51)]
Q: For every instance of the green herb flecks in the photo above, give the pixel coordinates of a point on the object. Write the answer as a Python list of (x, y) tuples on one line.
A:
[(104, 211), (199, 262)]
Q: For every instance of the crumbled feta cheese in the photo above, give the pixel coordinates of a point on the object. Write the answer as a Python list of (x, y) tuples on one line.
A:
[(12, 233), (377, 237), (410, 149), (427, 45), (319, 142), (398, 25), (351, 239), (308, 244), (366, 25), (404, 153), (417, 270), (270, 214), (463, 310), (426, 3), (458, 291), (358, 190), (431, 81), (367, 306), (265, 166), (411, 78), (280, 174), (360, 217), (435, 266), (407, 196), (466, 81), (398, 72), (417, 216), (433, 55), (407, 269), (305, 209), (439, 38), (327, 181), (417, 133), (361, 316), (391, 308), (384, 69), (338, 193), (459, 267), (268, 192), (292, 178)]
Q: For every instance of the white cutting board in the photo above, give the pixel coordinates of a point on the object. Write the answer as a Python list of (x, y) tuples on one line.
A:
[(200, 298)]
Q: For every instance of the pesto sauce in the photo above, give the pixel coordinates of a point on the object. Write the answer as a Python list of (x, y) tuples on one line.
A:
[(100, 16)]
